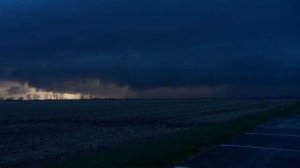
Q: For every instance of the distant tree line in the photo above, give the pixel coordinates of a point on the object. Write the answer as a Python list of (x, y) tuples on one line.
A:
[(50, 96)]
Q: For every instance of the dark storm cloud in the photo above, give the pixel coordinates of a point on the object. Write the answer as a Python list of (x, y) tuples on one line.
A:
[(151, 44)]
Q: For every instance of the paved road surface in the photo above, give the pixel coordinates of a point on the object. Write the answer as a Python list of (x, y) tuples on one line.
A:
[(275, 144)]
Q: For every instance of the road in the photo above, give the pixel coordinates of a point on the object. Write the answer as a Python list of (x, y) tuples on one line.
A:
[(275, 144)]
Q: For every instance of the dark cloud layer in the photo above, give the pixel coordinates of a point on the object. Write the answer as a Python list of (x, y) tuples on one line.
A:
[(151, 44)]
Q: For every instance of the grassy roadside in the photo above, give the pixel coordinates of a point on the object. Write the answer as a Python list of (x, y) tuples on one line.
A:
[(170, 150)]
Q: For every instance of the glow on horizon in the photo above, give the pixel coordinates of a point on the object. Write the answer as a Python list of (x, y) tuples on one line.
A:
[(22, 91)]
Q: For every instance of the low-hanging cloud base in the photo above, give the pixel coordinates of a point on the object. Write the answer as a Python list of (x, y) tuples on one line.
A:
[(95, 89)]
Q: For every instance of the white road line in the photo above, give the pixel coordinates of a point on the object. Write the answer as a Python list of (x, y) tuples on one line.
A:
[(256, 147), (267, 134)]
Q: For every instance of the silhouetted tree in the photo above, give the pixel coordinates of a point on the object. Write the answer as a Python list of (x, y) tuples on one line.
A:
[(21, 98), (84, 96), (9, 99), (28, 97), (36, 96), (56, 96)]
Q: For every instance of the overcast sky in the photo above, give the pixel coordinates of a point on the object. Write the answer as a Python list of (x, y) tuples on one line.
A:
[(152, 48)]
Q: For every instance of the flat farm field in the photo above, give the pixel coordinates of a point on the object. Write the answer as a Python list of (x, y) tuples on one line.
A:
[(36, 132)]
